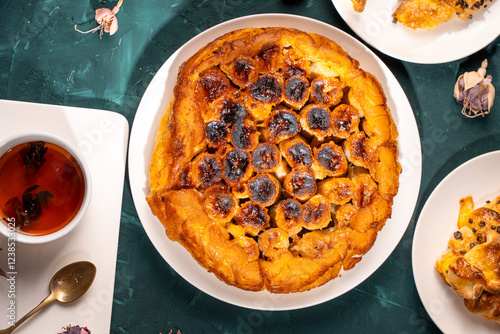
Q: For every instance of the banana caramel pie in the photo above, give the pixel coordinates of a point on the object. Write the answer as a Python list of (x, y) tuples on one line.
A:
[(428, 14), (471, 265), (276, 162)]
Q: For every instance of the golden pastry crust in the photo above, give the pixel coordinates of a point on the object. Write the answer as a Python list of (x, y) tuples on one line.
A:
[(261, 194), (487, 306), (428, 14), (359, 5), (471, 265)]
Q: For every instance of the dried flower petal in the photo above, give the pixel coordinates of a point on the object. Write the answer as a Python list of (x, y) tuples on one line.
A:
[(475, 91), (113, 27), (34, 158), (106, 19), (29, 208)]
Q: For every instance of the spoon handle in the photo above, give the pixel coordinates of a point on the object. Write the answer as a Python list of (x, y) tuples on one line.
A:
[(50, 298)]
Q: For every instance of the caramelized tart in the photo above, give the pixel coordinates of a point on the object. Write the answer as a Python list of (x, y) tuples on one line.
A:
[(276, 162)]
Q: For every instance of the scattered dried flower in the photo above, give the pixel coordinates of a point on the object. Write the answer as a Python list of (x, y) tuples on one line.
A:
[(75, 330), (475, 91), (29, 209), (34, 158), (107, 20)]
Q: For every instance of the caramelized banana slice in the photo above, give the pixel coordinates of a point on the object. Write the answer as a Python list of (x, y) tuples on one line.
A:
[(281, 125), (317, 212), (300, 183), (219, 204), (217, 134), (186, 177), (244, 135), (315, 120), (294, 65), (268, 89), (237, 167), (266, 158), (231, 111), (241, 72), (316, 245), (345, 120), (265, 93), (317, 170), (331, 158), (358, 149), (344, 214), (296, 152), (264, 189), (206, 170), (288, 216), (269, 58), (364, 187), (327, 90), (250, 246), (337, 190), (240, 190), (282, 170), (296, 92), (272, 241), (253, 218), (214, 84)]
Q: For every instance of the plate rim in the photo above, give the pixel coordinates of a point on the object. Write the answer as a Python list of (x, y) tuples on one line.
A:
[(219, 30)]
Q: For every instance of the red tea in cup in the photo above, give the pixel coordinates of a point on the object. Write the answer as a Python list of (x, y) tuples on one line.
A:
[(42, 187)]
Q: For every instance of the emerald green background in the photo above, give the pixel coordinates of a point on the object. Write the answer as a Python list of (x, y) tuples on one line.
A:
[(44, 60)]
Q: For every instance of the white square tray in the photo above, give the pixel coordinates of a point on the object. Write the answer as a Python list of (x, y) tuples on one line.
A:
[(102, 136)]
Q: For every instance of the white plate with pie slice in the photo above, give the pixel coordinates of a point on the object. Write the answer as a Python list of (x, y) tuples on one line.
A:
[(479, 178), (449, 41), (156, 99)]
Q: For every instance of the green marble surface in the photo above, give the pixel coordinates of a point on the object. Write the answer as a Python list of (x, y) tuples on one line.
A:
[(44, 60)]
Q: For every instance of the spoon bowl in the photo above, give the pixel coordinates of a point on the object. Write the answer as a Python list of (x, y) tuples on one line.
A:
[(66, 286), (72, 281)]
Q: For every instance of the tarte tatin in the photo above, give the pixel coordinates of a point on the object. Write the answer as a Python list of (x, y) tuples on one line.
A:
[(276, 162)]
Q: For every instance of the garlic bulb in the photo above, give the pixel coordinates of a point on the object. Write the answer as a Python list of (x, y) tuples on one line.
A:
[(475, 91)]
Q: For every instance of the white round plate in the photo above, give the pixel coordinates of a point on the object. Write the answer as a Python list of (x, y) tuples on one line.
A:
[(449, 41), (438, 220), (156, 99)]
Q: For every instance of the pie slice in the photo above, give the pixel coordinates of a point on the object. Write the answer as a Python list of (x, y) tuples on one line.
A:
[(428, 14), (471, 265)]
